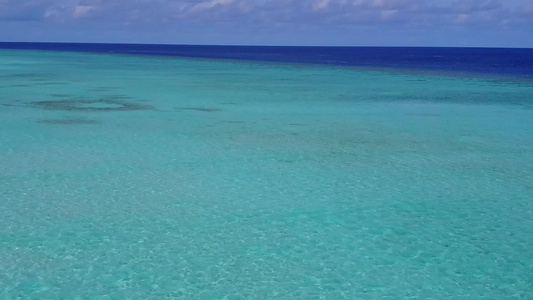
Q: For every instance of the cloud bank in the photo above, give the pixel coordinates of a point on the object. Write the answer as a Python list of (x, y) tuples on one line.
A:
[(281, 20)]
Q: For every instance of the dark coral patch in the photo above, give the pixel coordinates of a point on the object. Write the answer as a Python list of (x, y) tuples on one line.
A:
[(233, 122), (90, 105), (103, 89), (69, 122), (424, 114), (204, 109)]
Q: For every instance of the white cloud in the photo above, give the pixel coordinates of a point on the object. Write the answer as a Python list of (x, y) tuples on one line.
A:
[(462, 18), (51, 13), (388, 14), (207, 5), (433, 13), (321, 4), (82, 11)]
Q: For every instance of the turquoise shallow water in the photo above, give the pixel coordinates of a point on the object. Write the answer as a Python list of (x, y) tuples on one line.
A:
[(164, 178)]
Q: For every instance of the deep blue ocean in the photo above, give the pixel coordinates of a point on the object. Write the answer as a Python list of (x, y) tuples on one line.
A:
[(497, 61)]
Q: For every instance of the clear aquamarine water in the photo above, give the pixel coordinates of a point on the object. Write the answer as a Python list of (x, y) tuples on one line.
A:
[(127, 177)]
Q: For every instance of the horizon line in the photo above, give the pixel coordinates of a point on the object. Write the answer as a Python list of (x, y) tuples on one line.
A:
[(248, 45)]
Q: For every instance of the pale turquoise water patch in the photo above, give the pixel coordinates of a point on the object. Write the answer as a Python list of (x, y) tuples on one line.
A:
[(251, 181)]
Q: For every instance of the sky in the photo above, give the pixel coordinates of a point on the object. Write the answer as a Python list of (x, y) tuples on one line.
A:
[(464, 23)]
